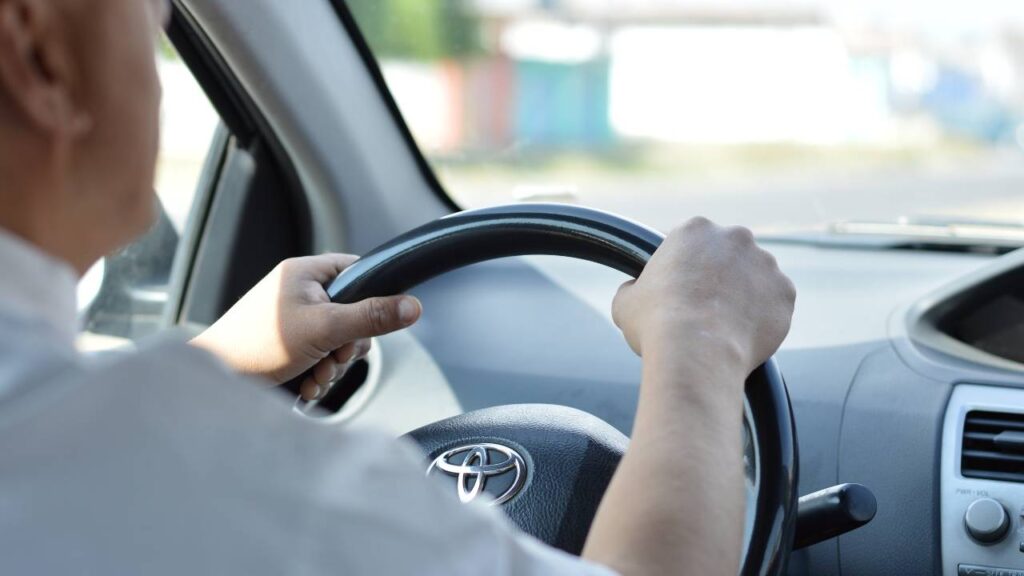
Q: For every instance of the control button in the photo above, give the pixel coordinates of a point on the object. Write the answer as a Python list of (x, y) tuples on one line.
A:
[(971, 570), (986, 521)]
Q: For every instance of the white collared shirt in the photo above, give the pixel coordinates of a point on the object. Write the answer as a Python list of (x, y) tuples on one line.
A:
[(161, 461)]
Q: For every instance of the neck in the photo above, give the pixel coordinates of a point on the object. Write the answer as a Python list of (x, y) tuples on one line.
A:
[(51, 202), (38, 212), (35, 233)]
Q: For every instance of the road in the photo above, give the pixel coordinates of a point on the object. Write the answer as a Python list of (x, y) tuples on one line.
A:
[(987, 188)]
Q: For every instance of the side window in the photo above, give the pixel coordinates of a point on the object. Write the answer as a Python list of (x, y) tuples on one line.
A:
[(125, 295)]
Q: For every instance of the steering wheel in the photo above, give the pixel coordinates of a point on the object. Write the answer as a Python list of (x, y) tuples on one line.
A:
[(548, 466)]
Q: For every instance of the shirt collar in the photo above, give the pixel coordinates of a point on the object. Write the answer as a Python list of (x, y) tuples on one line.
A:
[(38, 287)]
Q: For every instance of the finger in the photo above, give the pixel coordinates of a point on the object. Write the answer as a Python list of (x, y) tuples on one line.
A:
[(325, 372), (320, 379), (352, 351), (346, 353), (334, 263), (369, 318), (309, 390), (363, 349), (324, 267)]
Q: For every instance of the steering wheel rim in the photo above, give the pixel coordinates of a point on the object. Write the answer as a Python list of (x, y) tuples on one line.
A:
[(475, 236)]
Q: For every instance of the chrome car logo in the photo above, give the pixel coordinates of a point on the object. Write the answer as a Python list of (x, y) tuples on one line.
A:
[(473, 470)]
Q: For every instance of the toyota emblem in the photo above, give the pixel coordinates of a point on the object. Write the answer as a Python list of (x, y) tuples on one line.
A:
[(474, 464)]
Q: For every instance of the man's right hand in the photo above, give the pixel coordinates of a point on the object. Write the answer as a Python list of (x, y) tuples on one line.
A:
[(707, 310), (708, 285), (287, 325)]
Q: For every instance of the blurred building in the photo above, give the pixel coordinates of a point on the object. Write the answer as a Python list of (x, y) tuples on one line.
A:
[(592, 74)]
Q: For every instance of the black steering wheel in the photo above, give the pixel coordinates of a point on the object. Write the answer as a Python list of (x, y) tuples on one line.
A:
[(548, 466)]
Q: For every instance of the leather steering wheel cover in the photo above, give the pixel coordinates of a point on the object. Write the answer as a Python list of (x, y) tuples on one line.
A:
[(474, 236), (775, 433), (522, 229)]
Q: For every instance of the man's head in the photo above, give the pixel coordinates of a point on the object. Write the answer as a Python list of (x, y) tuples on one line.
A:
[(79, 122)]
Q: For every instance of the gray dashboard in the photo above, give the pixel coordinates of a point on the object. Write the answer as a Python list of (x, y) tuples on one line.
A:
[(869, 406)]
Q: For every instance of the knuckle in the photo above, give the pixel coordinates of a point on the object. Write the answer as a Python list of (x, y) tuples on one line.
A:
[(378, 315), (618, 305), (288, 264), (341, 261), (740, 234), (784, 288), (694, 225), (697, 222), (790, 288), (617, 310)]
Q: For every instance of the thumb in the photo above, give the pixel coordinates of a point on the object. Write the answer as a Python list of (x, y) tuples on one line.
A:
[(371, 317)]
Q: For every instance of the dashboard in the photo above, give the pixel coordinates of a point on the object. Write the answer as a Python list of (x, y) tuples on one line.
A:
[(885, 364)]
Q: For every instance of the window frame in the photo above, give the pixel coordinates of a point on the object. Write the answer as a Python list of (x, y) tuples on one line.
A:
[(242, 128), (366, 54)]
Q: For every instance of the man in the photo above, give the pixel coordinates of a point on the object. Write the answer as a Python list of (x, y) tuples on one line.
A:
[(162, 461)]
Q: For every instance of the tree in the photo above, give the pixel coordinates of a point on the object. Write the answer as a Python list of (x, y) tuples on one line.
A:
[(418, 29)]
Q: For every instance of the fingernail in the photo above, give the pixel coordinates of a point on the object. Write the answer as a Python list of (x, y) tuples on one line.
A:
[(407, 310), (348, 357), (310, 391), (361, 353), (303, 406)]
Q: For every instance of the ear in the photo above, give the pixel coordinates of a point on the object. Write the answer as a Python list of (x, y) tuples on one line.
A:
[(36, 67)]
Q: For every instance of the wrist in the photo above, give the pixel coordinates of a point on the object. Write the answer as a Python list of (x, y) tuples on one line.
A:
[(211, 344), (694, 364), (697, 340)]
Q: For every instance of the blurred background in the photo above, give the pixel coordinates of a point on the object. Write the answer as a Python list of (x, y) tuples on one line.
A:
[(780, 115), (808, 120)]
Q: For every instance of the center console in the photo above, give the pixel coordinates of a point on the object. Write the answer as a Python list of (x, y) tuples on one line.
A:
[(982, 494)]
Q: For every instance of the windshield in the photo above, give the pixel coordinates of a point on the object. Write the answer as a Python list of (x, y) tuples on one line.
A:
[(774, 114)]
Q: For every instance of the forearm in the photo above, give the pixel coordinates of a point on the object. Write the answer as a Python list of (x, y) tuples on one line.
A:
[(675, 505)]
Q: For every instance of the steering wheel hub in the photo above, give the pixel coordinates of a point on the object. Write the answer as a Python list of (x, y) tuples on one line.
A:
[(474, 467)]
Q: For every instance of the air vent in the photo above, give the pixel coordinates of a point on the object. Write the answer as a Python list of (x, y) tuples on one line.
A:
[(345, 388), (993, 446)]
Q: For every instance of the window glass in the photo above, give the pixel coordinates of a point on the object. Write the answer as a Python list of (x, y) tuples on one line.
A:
[(779, 115), (125, 295)]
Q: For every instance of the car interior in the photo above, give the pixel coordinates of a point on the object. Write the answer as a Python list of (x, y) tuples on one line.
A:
[(513, 182)]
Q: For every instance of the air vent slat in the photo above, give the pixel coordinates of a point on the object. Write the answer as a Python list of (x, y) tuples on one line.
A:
[(1010, 440), (994, 475), (997, 456), (980, 436), (989, 446), (1001, 423)]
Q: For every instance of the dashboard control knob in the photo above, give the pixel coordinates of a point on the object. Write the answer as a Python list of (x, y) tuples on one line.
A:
[(987, 521)]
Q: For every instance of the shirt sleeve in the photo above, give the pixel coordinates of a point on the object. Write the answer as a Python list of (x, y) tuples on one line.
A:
[(164, 462)]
